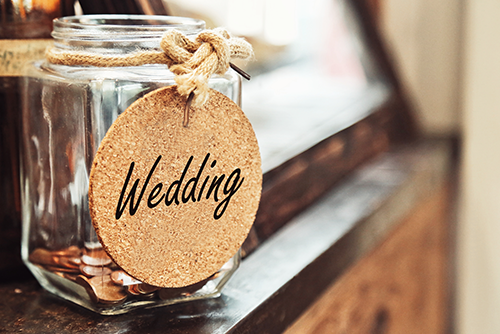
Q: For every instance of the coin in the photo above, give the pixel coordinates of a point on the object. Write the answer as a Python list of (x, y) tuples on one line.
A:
[(95, 261), (90, 268), (132, 289), (95, 252), (106, 291), (68, 264), (84, 281), (65, 262), (71, 277), (77, 261), (146, 288), (62, 269), (71, 251), (122, 278), (42, 256), (60, 274), (94, 271)]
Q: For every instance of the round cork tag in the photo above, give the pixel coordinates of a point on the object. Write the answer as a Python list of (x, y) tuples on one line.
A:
[(172, 204)]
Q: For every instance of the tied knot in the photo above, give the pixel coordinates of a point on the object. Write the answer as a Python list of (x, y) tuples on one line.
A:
[(194, 61)]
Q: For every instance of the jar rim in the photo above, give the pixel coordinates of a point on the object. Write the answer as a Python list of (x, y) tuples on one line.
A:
[(117, 27)]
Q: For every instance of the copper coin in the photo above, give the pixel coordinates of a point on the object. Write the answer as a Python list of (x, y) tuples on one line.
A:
[(71, 277), (122, 278), (42, 256), (60, 274), (116, 277), (71, 251), (77, 261), (94, 271), (95, 261), (95, 252), (85, 282), (63, 261), (145, 289), (132, 289), (62, 269), (106, 291)]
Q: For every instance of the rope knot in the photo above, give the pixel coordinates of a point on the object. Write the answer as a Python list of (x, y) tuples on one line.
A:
[(194, 61)]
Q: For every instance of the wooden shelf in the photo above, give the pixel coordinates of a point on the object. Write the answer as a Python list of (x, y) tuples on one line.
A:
[(282, 278)]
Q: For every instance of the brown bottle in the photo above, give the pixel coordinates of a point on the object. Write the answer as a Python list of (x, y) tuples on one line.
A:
[(25, 29)]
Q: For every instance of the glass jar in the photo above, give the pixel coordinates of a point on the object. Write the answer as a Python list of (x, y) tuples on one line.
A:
[(66, 113)]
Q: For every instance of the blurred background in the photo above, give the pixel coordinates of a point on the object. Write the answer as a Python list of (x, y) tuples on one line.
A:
[(448, 59)]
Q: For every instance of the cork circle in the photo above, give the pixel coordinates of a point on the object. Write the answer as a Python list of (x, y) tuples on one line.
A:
[(172, 204)]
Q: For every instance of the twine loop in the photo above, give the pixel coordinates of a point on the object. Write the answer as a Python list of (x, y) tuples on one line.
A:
[(193, 61)]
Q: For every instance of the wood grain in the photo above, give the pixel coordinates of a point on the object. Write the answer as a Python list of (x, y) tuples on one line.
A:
[(401, 287), (293, 186)]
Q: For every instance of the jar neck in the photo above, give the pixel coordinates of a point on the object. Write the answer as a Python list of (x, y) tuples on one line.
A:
[(118, 34)]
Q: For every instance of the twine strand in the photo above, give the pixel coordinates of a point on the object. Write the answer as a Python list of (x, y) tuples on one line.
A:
[(192, 61)]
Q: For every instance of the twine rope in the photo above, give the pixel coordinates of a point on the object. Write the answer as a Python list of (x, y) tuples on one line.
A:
[(192, 61)]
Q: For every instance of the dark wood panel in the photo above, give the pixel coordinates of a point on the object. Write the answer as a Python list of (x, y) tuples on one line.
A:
[(299, 182), (401, 287)]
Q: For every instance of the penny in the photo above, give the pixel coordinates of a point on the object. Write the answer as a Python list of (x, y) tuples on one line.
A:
[(145, 289), (95, 252), (77, 261), (71, 277), (95, 257), (71, 251), (132, 289), (63, 261), (106, 291), (42, 256), (95, 261), (60, 274), (62, 269), (122, 278), (117, 277), (85, 282), (94, 271)]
